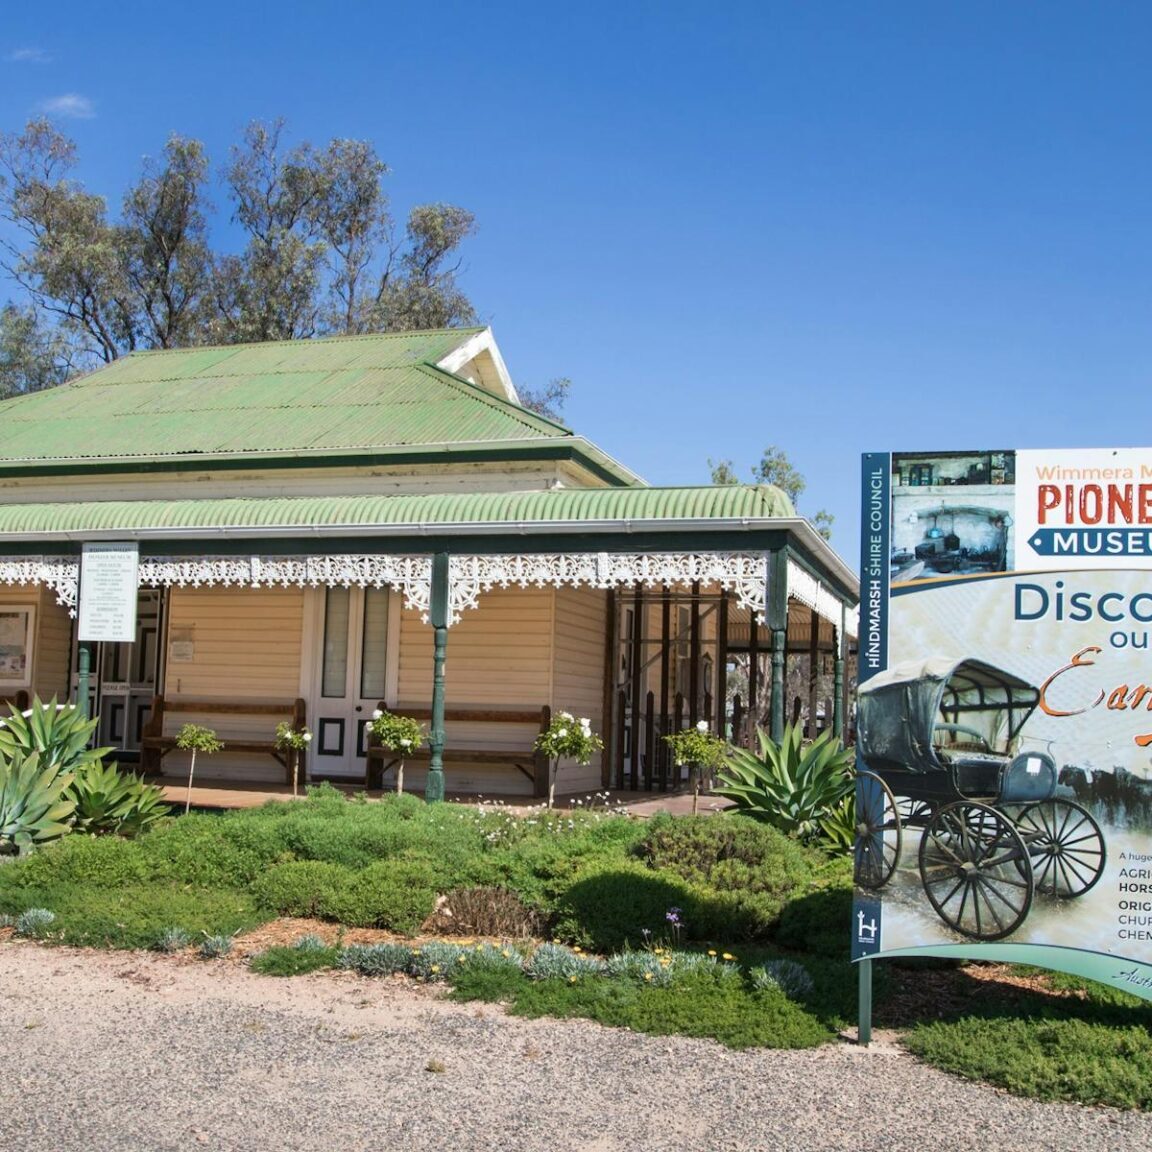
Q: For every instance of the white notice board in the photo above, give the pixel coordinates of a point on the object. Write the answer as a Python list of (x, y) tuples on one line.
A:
[(107, 609)]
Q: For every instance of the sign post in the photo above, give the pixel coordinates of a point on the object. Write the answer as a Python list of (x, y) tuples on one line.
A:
[(107, 606)]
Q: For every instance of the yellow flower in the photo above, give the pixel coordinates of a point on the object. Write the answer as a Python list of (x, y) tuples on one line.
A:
[(434, 968), (729, 956), (659, 950), (571, 979), (664, 962), (711, 951), (461, 959), (647, 975), (576, 948)]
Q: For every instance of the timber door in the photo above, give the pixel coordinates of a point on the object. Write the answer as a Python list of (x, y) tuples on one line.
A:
[(353, 670)]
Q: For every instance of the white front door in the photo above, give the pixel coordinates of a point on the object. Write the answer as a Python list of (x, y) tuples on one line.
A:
[(354, 632)]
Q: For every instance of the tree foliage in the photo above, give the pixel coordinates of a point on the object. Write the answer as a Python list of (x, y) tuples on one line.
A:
[(320, 253), (775, 468)]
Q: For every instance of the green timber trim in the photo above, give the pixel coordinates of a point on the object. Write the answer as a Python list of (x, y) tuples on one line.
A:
[(572, 449)]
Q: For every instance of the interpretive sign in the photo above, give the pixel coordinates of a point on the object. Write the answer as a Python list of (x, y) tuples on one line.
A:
[(1004, 713), (107, 608)]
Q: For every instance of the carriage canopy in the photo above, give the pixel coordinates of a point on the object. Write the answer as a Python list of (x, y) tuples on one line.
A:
[(916, 716)]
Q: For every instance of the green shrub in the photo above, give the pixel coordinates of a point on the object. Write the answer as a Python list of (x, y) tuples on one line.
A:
[(729, 853), (1053, 1059), (293, 961), (135, 916), (102, 862), (820, 923), (211, 850), (302, 887), (624, 905), (395, 894)]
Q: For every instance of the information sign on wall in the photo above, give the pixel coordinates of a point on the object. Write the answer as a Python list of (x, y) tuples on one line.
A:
[(107, 608), (1004, 715)]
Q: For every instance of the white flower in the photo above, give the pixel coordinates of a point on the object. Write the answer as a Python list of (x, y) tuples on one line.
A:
[(566, 716), (306, 736), (561, 732), (377, 714), (405, 743), (701, 725), (585, 723)]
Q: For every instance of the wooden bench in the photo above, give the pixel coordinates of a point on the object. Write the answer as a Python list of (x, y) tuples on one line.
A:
[(523, 757), (154, 745)]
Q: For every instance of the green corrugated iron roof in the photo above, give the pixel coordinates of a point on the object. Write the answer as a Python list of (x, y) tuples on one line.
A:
[(341, 394), (393, 514)]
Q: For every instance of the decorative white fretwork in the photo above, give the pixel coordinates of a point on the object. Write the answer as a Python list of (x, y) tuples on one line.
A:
[(742, 572), (60, 573), (468, 576), (409, 575), (803, 586)]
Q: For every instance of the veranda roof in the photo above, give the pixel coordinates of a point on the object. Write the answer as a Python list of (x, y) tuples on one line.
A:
[(583, 509)]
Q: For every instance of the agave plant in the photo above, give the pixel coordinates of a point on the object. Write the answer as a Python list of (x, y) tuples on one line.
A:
[(34, 805), (58, 732), (109, 801), (793, 787)]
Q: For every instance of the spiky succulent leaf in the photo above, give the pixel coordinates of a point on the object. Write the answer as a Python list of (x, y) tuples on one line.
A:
[(34, 805), (110, 801), (793, 787), (58, 732)]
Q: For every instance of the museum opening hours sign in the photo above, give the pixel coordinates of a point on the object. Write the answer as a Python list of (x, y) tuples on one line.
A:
[(107, 607), (1004, 711)]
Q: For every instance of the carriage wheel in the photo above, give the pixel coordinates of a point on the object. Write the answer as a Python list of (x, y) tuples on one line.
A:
[(976, 872), (914, 813), (878, 834), (1066, 847)]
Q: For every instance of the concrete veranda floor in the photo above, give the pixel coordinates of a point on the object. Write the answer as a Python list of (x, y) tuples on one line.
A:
[(228, 794)]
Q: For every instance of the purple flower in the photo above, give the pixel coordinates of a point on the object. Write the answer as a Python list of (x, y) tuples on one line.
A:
[(672, 916)]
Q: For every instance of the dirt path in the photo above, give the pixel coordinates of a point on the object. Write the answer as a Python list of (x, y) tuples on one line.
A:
[(132, 1051)]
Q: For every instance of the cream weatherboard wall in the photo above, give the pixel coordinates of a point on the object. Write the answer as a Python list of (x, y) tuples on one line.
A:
[(499, 656), (47, 675), (520, 649), (581, 616), (233, 644)]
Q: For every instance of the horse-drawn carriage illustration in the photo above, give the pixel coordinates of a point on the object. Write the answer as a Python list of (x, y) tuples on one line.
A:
[(940, 741)]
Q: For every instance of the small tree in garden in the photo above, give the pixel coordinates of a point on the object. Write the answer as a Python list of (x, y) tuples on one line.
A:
[(702, 750), (195, 738), (292, 741), (399, 734), (566, 738)]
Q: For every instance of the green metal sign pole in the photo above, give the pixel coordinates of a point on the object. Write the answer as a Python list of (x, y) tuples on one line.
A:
[(864, 1020), (83, 672), (434, 788)]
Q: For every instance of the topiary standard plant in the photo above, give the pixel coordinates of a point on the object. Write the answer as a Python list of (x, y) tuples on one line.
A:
[(702, 750), (293, 741), (566, 738), (399, 734), (195, 738)]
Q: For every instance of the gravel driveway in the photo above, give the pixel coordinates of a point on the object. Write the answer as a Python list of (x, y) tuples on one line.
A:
[(130, 1051)]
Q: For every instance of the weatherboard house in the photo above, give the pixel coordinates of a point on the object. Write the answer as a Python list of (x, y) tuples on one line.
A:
[(328, 525)]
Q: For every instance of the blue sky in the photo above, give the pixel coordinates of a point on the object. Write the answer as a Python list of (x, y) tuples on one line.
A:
[(835, 227)]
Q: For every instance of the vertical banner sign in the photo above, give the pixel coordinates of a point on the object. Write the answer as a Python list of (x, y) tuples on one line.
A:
[(107, 608), (1004, 714)]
